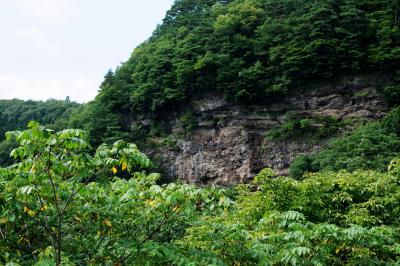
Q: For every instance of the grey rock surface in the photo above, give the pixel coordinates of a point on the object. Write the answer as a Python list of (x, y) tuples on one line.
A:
[(228, 146)]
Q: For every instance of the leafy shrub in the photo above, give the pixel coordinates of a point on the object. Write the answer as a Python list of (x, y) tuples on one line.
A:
[(5, 149), (391, 122), (326, 219), (157, 129), (188, 121), (170, 142), (62, 205), (308, 128), (300, 165), (394, 167), (369, 147), (392, 95), (264, 175)]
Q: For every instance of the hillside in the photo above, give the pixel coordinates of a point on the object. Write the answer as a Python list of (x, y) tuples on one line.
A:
[(272, 134), (247, 53), (276, 79), (248, 50), (217, 142), (16, 114)]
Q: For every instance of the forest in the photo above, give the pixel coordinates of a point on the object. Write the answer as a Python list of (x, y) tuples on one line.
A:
[(76, 187), (16, 114), (249, 50)]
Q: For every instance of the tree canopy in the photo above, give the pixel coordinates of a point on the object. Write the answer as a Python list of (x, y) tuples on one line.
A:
[(249, 50), (16, 114)]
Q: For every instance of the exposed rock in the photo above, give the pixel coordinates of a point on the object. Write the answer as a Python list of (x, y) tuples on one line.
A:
[(229, 146), (209, 103)]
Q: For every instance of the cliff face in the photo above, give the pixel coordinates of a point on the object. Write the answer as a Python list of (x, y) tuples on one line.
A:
[(228, 144)]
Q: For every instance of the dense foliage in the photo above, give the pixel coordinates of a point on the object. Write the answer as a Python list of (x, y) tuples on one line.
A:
[(16, 114), (62, 205), (249, 50), (392, 94), (327, 219), (371, 146), (306, 128)]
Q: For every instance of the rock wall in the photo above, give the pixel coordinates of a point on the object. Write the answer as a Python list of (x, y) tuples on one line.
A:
[(228, 145)]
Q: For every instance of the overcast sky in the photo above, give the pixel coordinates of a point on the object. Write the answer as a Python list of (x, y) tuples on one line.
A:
[(59, 48)]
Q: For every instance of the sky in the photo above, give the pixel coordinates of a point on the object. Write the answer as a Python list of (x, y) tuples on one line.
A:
[(59, 48)]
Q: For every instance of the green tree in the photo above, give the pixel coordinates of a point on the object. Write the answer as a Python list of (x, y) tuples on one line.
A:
[(251, 51), (370, 147), (328, 218), (391, 122), (55, 167), (61, 204)]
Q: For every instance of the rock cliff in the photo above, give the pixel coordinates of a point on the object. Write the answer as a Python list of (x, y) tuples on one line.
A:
[(228, 143)]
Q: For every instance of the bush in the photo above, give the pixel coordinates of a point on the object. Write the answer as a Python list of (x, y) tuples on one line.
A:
[(391, 122), (327, 219), (392, 95), (61, 205), (5, 149), (369, 147), (308, 128), (188, 121), (301, 165)]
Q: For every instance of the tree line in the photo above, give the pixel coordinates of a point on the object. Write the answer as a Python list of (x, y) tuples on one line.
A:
[(250, 51)]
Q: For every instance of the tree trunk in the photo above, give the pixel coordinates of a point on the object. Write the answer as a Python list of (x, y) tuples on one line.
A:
[(58, 256)]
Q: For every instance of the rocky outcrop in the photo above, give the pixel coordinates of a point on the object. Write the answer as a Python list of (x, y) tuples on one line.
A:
[(228, 144)]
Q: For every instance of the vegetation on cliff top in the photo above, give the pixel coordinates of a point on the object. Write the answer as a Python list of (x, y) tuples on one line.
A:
[(249, 50)]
